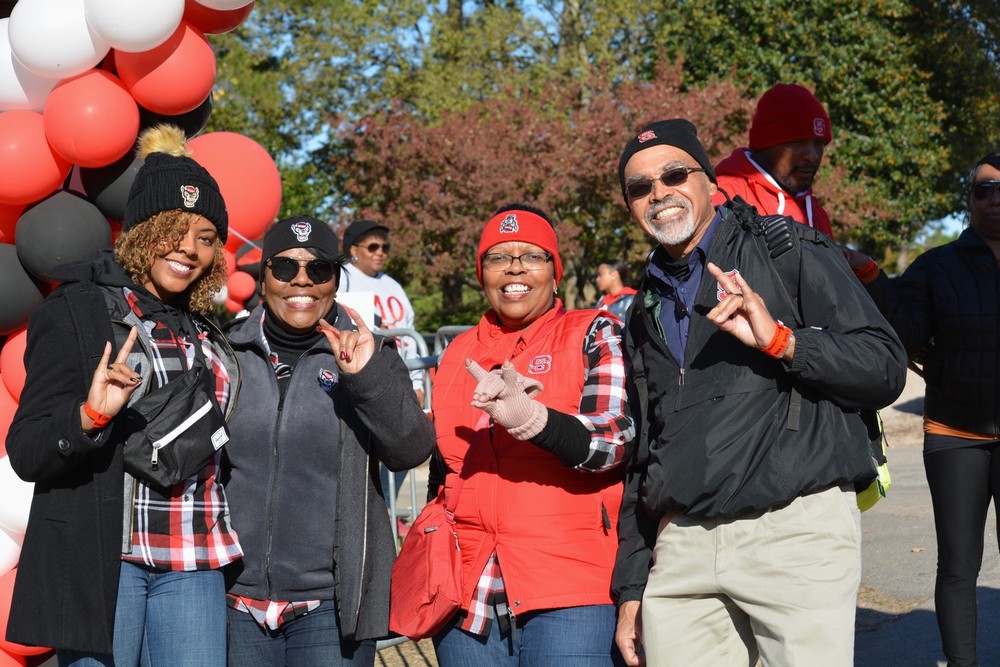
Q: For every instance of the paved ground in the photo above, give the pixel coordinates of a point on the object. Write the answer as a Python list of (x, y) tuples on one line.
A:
[(896, 623)]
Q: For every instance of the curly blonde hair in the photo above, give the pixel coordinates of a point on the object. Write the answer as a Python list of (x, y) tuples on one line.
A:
[(138, 248)]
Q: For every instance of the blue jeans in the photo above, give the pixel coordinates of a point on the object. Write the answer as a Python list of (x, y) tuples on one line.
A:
[(164, 618), (397, 482), (571, 637), (307, 641)]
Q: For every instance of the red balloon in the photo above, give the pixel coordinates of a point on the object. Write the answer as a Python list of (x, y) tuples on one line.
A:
[(90, 119), (8, 406), (248, 179), (233, 306), (250, 257), (9, 213), (173, 78), (12, 363), (214, 21), (29, 168), (241, 286), (6, 591), (8, 660), (230, 261)]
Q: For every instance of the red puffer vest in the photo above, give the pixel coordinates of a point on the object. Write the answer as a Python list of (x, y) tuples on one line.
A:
[(554, 529)]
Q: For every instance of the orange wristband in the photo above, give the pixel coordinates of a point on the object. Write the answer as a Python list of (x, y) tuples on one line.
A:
[(99, 418), (779, 342), (868, 272)]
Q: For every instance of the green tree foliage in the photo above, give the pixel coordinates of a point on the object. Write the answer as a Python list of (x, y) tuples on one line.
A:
[(477, 102)]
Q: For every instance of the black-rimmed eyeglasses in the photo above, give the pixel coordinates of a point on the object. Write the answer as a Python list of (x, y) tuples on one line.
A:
[(319, 271), (531, 261), (671, 178)]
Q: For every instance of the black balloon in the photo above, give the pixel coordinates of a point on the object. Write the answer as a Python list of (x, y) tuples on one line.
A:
[(62, 228), (19, 294), (107, 187), (192, 122)]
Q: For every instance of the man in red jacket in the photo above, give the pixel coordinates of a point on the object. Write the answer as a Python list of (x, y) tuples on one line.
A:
[(789, 131)]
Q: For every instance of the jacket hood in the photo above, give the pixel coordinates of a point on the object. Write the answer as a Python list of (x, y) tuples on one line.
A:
[(738, 164), (102, 270)]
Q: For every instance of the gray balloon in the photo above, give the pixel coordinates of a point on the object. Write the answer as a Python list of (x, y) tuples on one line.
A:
[(19, 294), (107, 187), (61, 229)]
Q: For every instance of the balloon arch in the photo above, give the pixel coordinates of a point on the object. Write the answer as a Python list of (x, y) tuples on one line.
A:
[(79, 80)]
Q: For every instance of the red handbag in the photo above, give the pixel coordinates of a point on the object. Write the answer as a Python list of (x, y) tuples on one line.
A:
[(426, 585)]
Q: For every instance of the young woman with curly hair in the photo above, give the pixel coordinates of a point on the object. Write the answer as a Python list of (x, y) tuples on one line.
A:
[(114, 568)]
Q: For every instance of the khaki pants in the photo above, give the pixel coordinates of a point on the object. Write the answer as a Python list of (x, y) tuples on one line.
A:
[(780, 586)]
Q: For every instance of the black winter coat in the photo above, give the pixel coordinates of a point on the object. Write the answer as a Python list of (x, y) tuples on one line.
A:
[(948, 301), (723, 437), (67, 577)]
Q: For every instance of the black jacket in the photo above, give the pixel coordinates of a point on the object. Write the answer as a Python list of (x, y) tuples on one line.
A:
[(303, 485), (67, 577), (725, 438), (948, 301)]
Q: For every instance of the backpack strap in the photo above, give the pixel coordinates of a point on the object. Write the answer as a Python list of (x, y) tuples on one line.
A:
[(782, 239)]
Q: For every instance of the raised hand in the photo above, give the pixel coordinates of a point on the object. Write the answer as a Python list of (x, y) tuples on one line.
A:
[(112, 383), (741, 313), (506, 396), (351, 349)]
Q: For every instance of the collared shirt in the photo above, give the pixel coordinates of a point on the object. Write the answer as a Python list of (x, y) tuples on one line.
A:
[(677, 286), (602, 410), (188, 528)]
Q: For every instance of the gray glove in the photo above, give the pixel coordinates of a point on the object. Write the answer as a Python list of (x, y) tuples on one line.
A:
[(506, 396)]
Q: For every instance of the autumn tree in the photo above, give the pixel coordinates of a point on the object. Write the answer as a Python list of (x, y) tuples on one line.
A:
[(436, 183)]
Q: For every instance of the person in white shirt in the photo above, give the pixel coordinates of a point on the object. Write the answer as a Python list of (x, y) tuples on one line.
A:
[(366, 242)]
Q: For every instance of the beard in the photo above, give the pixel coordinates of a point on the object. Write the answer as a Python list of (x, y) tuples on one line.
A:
[(675, 231)]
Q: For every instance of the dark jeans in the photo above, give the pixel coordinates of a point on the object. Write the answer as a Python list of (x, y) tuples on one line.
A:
[(962, 482), (312, 640), (571, 637)]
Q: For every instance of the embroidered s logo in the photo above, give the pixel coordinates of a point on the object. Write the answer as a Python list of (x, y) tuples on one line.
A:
[(719, 291), (540, 364)]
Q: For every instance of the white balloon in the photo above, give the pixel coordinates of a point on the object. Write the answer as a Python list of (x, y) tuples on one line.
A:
[(20, 88), (10, 551), (15, 500), (134, 25), (52, 39), (224, 5)]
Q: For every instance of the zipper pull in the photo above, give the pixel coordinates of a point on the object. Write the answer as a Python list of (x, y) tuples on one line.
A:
[(156, 457), (680, 379)]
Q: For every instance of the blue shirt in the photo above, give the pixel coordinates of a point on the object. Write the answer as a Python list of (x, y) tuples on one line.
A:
[(677, 288)]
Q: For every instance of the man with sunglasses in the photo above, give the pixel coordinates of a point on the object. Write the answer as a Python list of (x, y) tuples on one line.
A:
[(946, 308), (774, 174), (739, 536)]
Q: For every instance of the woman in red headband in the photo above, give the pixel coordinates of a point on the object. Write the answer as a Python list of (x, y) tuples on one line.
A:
[(530, 411)]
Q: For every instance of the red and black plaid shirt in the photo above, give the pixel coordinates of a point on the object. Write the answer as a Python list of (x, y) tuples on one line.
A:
[(188, 528)]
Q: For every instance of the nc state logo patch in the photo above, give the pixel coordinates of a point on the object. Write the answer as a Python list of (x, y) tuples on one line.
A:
[(509, 224), (302, 230), (819, 127), (189, 195), (540, 364), (646, 136), (326, 379), (719, 291)]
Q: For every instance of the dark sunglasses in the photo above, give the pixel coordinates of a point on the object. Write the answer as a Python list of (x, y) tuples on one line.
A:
[(670, 178), (984, 190), (285, 269), (373, 247)]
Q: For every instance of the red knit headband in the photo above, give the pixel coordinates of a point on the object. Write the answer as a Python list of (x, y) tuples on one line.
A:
[(523, 226)]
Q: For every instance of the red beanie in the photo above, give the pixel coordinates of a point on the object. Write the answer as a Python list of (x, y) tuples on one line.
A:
[(523, 226), (788, 112)]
